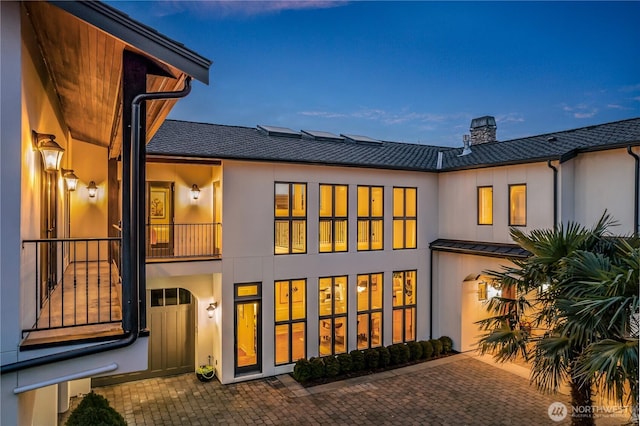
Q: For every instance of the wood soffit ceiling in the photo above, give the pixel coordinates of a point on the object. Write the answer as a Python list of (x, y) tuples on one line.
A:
[(85, 67)]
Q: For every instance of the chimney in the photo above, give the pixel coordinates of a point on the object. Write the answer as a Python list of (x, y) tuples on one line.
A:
[(483, 130)]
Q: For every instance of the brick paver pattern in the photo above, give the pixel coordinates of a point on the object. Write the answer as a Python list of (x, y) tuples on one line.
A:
[(465, 391)]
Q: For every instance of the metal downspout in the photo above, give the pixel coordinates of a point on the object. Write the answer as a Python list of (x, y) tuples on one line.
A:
[(136, 195), (636, 225), (430, 293), (555, 192)]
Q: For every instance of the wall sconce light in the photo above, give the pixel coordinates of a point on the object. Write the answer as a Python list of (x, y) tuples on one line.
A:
[(195, 191), (50, 150), (93, 189), (70, 178), (212, 307)]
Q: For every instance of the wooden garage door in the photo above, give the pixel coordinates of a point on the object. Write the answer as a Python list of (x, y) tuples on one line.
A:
[(171, 322)]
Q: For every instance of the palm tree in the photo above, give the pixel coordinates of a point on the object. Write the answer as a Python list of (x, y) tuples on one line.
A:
[(567, 310)]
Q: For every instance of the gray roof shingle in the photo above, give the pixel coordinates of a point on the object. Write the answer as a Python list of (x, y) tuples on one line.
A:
[(201, 140)]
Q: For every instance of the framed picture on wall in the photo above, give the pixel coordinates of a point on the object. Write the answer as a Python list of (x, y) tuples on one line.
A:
[(158, 204)]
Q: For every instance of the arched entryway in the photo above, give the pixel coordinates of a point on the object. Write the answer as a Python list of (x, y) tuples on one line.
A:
[(477, 289)]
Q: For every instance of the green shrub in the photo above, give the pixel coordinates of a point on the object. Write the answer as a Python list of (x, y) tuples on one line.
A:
[(357, 360), (394, 354), (437, 346), (415, 351), (302, 370), (94, 410), (345, 363), (331, 366), (385, 357), (317, 368), (427, 349), (447, 344), (372, 358), (404, 353)]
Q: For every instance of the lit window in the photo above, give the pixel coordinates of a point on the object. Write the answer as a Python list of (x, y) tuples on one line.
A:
[(332, 310), (518, 205), (290, 218), (333, 218), (485, 205), (369, 290), (370, 217), (404, 306), (290, 321), (404, 218)]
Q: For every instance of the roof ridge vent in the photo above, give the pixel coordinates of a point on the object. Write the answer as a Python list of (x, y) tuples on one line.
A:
[(467, 145), (552, 139), (321, 136), (359, 139), (278, 131)]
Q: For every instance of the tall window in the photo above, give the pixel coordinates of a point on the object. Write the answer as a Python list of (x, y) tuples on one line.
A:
[(290, 321), (404, 218), (333, 218), (369, 290), (485, 205), (404, 306), (370, 217), (332, 298), (518, 205), (290, 218)]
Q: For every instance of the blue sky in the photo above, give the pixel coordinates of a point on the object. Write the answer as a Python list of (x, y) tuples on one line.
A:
[(407, 71)]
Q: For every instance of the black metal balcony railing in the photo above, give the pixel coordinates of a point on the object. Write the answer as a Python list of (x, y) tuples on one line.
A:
[(184, 240), (77, 282)]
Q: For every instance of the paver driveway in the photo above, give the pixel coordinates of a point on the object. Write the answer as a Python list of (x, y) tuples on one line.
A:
[(458, 390)]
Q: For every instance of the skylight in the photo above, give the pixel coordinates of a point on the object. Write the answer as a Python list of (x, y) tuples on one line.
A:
[(279, 131), (322, 136), (361, 139)]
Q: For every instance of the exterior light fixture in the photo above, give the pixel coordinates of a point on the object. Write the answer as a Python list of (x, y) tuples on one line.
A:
[(93, 189), (212, 307), (70, 178), (50, 150), (195, 191)]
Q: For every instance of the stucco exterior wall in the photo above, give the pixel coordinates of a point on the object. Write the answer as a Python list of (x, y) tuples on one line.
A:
[(248, 238), (458, 201)]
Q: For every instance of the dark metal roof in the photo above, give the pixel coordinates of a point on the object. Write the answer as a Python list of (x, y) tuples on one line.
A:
[(189, 139), (479, 248), (140, 36)]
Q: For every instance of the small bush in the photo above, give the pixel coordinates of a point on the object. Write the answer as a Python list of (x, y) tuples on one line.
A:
[(415, 351), (394, 354), (385, 357), (357, 360), (331, 366), (427, 349), (372, 358), (302, 370), (404, 353), (437, 346), (345, 363), (447, 344), (317, 368), (94, 410)]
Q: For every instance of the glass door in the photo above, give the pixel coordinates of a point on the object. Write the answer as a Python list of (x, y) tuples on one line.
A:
[(248, 336)]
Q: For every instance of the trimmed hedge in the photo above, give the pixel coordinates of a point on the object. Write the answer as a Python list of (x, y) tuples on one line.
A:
[(94, 410), (396, 354)]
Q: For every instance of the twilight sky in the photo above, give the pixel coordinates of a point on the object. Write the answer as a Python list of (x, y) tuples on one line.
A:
[(407, 71)]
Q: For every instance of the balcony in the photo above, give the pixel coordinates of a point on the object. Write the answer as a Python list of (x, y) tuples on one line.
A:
[(183, 241), (76, 291)]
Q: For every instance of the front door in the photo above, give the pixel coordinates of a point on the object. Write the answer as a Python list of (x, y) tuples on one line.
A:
[(248, 337), (160, 219)]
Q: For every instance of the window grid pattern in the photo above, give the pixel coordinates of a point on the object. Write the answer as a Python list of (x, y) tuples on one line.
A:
[(290, 211), (290, 321), (332, 229), (369, 290), (370, 218), (404, 218), (404, 306), (332, 300)]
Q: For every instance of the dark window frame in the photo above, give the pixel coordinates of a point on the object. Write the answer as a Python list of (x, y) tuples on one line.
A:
[(333, 219), (525, 204), (290, 218), (332, 316), (370, 218), (404, 218), (478, 190), (289, 322), (369, 311), (406, 306)]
